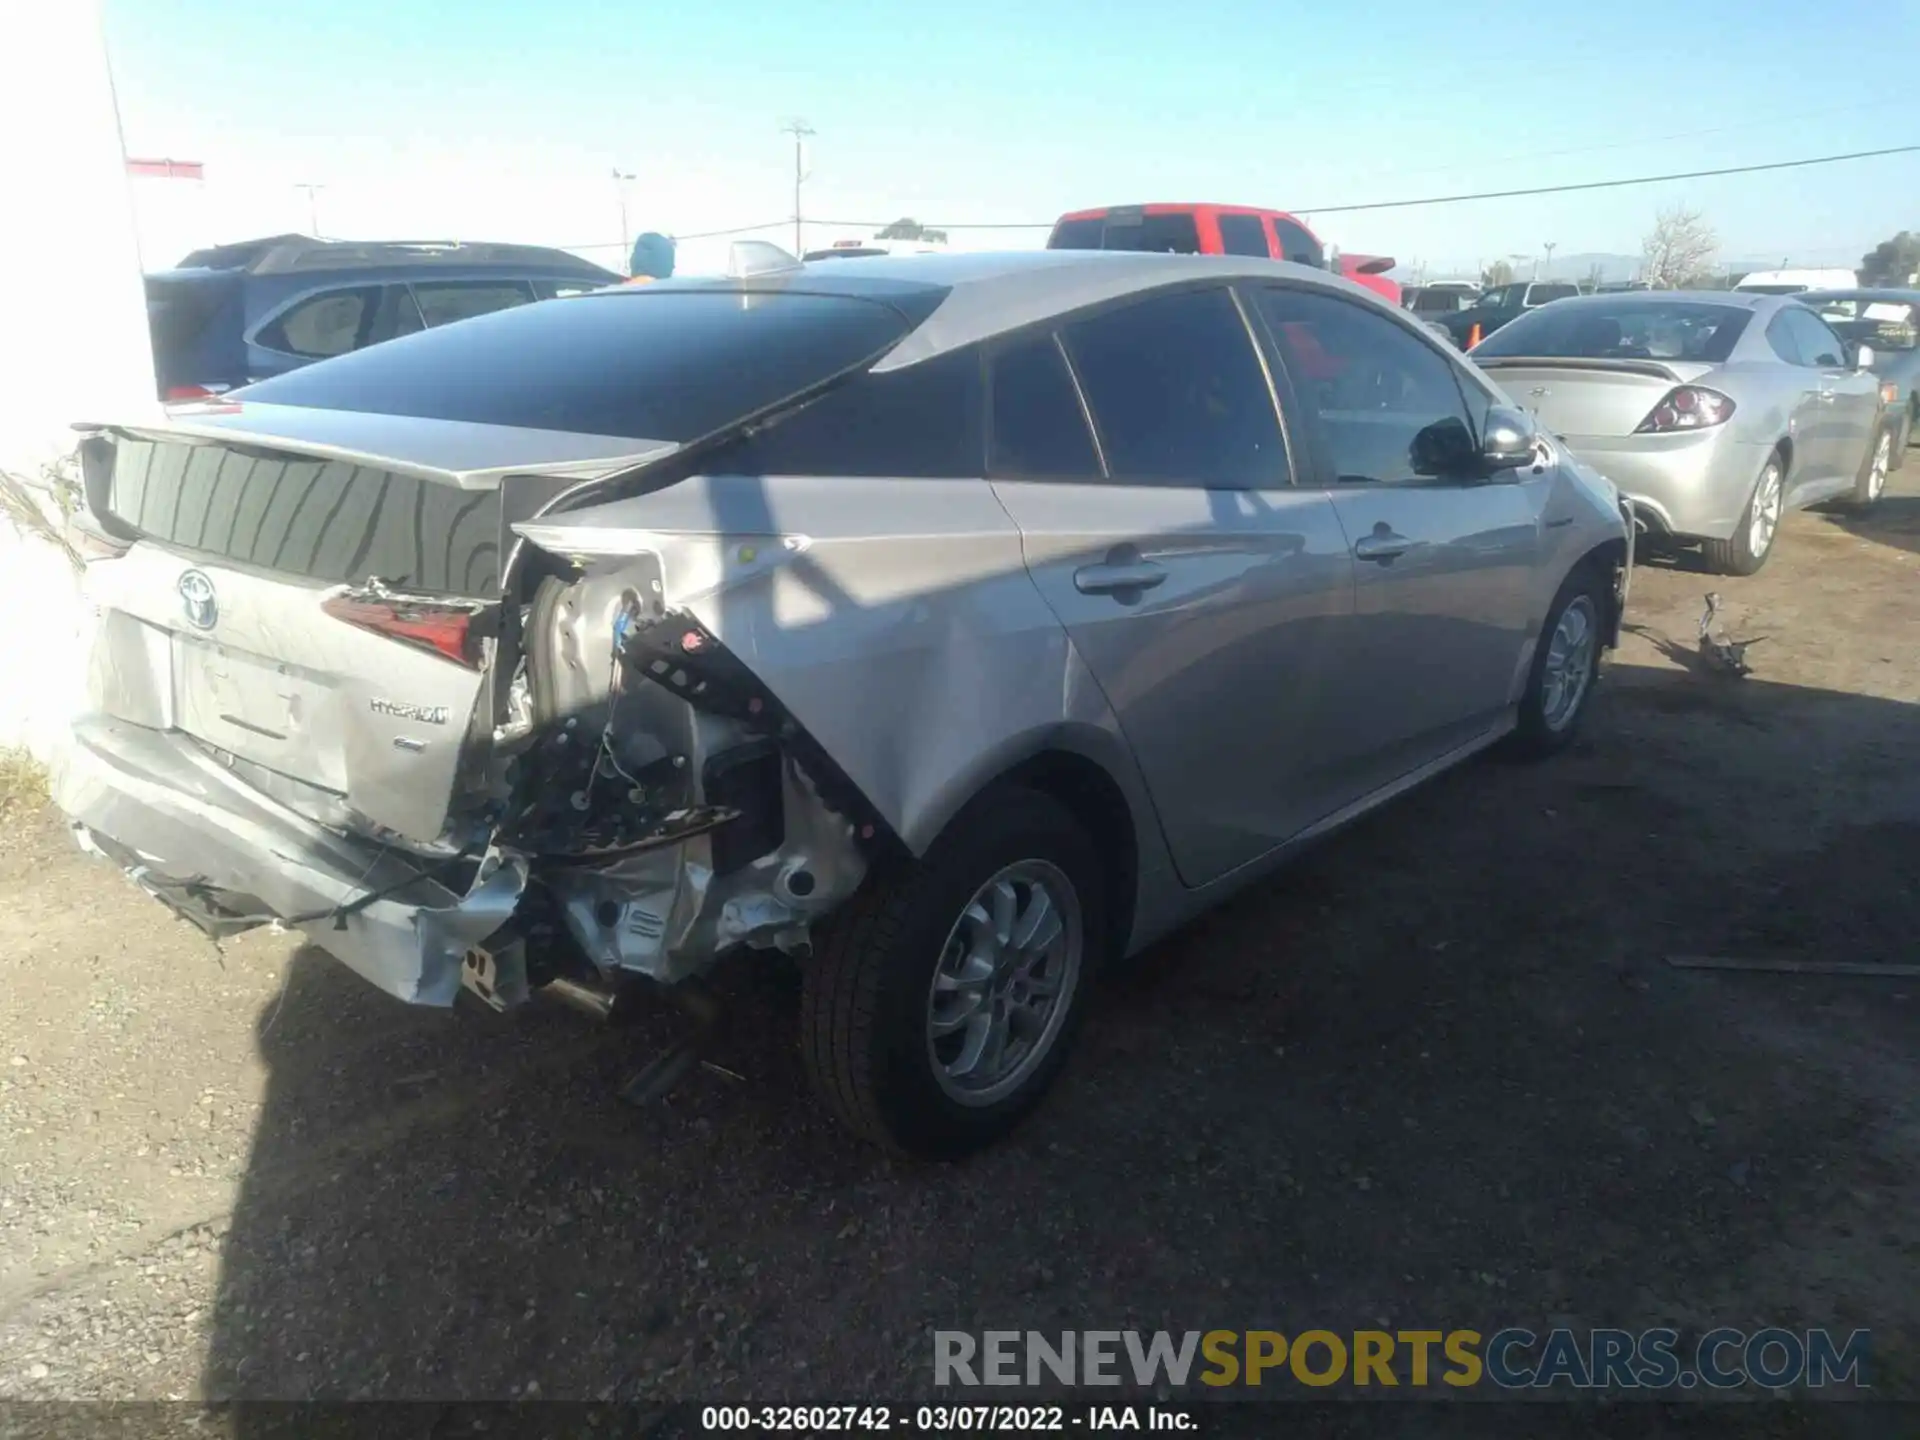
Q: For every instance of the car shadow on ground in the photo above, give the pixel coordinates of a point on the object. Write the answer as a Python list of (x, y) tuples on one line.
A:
[(1435, 1075), (1893, 520)]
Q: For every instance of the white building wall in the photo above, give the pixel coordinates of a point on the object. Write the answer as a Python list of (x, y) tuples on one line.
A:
[(75, 336)]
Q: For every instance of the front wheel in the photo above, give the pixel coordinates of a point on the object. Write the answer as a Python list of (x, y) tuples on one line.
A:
[(1566, 666), (1752, 539), (943, 998), (1871, 482)]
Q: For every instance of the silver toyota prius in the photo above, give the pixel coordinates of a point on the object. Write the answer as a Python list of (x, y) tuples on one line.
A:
[(952, 624), (1714, 412)]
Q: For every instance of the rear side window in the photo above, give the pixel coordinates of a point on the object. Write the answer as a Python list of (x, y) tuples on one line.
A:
[(1178, 393), (394, 316), (1297, 245), (657, 362), (444, 302), (921, 421), (324, 325), (1243, 235), (1545, 294), (1038, 430)]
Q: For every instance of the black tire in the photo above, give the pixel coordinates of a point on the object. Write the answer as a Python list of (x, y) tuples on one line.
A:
[(1538, 733), (864, 1017), (1736, 556), (1871, 483)]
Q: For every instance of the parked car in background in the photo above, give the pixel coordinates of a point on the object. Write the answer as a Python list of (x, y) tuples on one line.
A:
[(232, 314), (1887, 321), (954, 624), (1714, 412), (1501, 304), (1795, 282), (1429, 301), (1176, 229)]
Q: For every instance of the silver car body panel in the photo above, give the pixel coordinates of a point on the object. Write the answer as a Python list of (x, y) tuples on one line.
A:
[(1697, 483), (905, 641)]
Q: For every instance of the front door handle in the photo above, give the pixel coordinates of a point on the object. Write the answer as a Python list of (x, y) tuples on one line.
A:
[(1117, 575), (1382, 546)]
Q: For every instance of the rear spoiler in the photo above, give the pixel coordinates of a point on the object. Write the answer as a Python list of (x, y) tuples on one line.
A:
[(459, 453), (1653, 369)]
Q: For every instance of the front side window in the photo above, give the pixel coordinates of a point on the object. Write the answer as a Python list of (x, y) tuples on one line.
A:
[(443, 302), (1243, 235), (1817, 344), (1037, 429), (1299, 246), (1178, 394), (1388, 405), (323, 325)]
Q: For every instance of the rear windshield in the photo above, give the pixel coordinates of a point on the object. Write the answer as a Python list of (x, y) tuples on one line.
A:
[(1623, 330), (1173, 234), (190, 340), (324, 520), (648, 362)]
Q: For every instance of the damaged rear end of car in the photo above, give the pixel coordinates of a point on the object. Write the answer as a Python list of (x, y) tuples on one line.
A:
[(370, 662)]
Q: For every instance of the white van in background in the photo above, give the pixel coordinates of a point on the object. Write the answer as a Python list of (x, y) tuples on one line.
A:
[(1794, 282)]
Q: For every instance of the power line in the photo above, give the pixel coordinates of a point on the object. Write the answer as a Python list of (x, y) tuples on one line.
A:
[(1609, 184), (1456, 199)]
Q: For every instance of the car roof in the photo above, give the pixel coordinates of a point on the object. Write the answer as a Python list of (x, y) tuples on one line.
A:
[(304, 255), (989, 292), (1737, 299), (1888, 293)]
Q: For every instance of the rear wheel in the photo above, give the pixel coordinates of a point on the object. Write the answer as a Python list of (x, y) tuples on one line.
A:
[(943, 999), (1752, 540)]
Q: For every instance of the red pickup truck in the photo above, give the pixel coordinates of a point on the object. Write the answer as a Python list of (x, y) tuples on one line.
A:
[(1215, 230)]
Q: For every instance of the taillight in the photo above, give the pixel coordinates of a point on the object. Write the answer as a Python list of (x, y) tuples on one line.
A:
[(1687, 407), (448, 628), (177, 393)]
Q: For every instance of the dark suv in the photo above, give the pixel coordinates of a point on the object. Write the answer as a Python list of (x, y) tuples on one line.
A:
[(232, 314)]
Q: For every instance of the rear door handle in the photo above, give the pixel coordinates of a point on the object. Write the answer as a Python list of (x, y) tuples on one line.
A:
[(1114, 576), (1382, 546)]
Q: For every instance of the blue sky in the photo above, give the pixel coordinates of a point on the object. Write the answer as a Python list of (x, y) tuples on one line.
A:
[(504, 119)]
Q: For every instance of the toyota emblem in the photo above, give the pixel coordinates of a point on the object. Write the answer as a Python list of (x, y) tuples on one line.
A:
[(196, 598)]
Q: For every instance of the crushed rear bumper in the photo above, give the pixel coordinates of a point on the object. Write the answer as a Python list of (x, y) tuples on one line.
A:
[(224, 856)]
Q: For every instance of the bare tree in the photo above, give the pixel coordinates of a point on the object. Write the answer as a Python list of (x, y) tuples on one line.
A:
[(1679, 250)]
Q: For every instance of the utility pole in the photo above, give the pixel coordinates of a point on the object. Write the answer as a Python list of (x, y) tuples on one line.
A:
[(1549, 245), (799, 129), (620, 181), (313, 207)]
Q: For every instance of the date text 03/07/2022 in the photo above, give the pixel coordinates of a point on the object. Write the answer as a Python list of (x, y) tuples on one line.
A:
[(959, 1419)]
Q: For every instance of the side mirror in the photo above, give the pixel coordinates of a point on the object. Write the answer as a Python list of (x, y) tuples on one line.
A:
[(1863, 357), (1510, 441)]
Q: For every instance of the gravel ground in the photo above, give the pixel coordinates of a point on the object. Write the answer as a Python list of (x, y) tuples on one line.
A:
[(1437, 1074)]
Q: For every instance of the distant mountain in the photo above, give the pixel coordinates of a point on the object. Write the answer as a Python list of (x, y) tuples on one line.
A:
[(1580, 266)]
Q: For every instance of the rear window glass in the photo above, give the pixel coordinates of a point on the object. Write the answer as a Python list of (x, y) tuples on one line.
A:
[(1629, 330), (643, 362), (1175, 234), (325, 520), (178, 311)]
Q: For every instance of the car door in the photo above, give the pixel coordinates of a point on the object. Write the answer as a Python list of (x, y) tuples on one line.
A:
[(1141, 453), (1444, 559), (1848, 404)]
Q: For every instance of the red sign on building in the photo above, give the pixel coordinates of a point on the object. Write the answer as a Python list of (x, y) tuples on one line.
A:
[(167, 169)]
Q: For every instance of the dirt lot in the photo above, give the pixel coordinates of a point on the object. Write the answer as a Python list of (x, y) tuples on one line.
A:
[(1436, 1075)]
